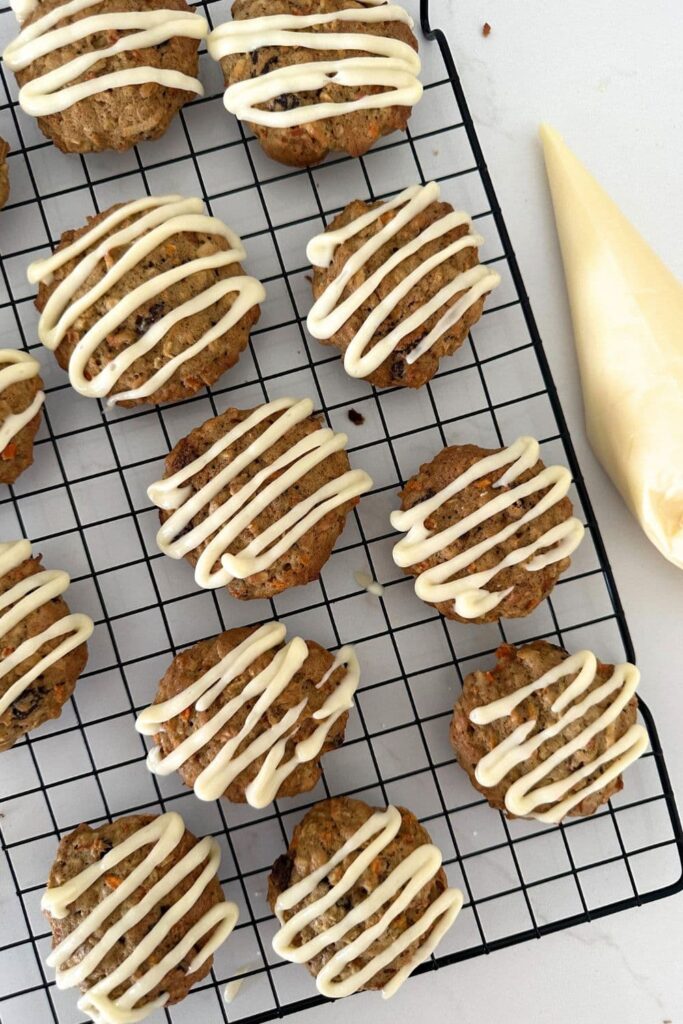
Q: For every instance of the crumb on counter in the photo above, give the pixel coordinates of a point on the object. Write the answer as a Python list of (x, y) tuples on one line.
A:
[(486, 29), (357, 418)]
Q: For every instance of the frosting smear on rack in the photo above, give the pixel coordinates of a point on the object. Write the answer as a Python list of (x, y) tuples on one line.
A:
[(457, 580), (372, 343), (213, 519), (247, 723), (121, 995), (112, 251)]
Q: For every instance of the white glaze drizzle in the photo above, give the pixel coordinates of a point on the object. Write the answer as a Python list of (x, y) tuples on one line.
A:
[(58, 89), (265, 688), (392, 896), (330, 312), (228, 520), (574, 702), (163, 835), (157, 219), (20, 601), (16, 366), (469, 594), (394, 65)]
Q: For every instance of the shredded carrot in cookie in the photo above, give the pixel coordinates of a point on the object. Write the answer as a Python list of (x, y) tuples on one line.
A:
[(9, 452)]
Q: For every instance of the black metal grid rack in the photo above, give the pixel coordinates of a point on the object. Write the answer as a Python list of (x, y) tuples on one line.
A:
[(83, 504)]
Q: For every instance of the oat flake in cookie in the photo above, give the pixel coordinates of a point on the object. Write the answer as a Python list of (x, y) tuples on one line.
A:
[(311, 77), (105, 74), (148, 302), (247, 717), (21, 401), (136, 912), (488, 531), (397, 286), (255, 499), (42, 645), (547, 734), (361, 897)]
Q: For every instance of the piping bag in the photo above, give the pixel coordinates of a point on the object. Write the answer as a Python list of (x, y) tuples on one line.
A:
[(627, 312)]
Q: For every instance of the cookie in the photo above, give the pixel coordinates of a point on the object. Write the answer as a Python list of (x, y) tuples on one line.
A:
[(4, 173), (148, 302), (310, 77), (42, 645), (547, 734), (361, 897), (21, 399), (136, 912), (255, 499), (488, 531), (245, 717), (106, 74), (397, 286)]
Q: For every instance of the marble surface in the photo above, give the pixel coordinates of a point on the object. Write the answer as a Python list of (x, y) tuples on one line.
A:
[(605, 75)]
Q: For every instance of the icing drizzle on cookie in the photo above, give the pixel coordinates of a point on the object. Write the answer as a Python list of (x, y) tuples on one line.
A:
[(331, 310), (16, 366), (162, 836), (21, 601), (387, 901), (264, 689), (573, 704), (59, 89), (177, 537), (156, 219), (392, 66), (468, 593)]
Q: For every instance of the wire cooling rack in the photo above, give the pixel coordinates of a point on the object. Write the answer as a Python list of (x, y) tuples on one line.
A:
[(84, 505)]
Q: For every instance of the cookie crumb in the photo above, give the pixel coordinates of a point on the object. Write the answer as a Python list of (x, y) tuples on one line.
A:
[(357, 418), (309, 278), (486, 29)]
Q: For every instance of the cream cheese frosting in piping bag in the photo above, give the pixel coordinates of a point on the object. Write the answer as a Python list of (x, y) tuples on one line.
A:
[(264, 689), (627, 312), (392, 64), (331, 310), (155, 220), (58, 89)]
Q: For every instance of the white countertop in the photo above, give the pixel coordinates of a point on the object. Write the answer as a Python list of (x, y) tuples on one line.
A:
[(603, 74)]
